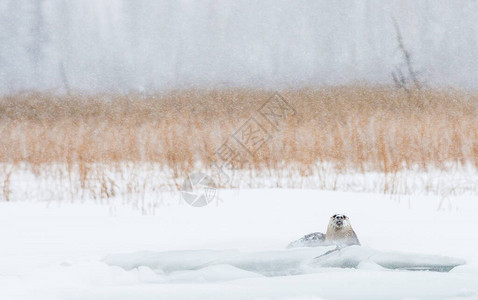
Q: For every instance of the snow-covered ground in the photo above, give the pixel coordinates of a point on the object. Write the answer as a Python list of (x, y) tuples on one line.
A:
[(234, 248), (146, 186)]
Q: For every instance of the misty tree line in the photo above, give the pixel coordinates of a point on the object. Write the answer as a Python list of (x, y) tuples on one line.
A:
[(142, 45)]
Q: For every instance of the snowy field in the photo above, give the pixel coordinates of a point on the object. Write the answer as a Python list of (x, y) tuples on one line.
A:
[(234, 248)]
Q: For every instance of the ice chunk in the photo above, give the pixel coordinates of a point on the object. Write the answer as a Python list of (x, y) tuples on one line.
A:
[(212, 274), (268, 263), (351, 257), (198, 265), (310, 240)]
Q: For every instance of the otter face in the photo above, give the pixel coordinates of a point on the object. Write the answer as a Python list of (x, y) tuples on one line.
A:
[(339, 221)]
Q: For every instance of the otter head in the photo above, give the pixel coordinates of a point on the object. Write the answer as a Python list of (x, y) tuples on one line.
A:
[(340, 232), (338, 221)]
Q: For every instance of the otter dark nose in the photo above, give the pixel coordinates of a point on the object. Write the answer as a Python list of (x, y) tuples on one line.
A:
[(339, 222)]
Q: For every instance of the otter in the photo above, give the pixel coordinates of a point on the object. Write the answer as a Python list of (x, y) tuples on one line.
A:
[(339, 232)]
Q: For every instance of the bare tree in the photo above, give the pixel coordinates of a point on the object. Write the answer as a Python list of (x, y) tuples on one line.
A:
[(409, 79), (38, 36)]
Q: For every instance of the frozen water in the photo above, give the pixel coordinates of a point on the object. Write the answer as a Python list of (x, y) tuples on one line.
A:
[(354, 256), (279, 263)]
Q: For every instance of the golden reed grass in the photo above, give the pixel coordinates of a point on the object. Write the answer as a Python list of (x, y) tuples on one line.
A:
[(363, 127)]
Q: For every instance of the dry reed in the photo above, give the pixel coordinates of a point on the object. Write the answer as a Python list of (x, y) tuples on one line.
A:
[(361, 127)]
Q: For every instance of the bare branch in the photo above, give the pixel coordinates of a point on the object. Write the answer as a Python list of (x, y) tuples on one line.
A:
[(399, 79)]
